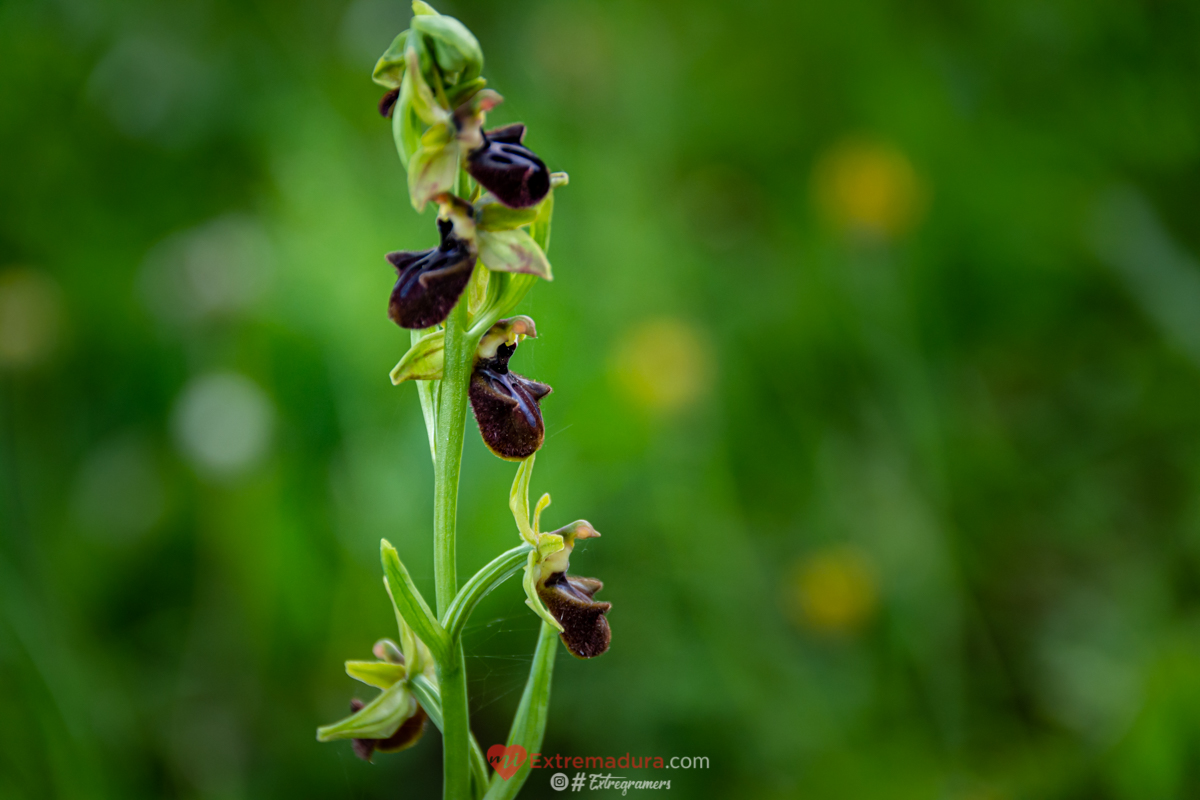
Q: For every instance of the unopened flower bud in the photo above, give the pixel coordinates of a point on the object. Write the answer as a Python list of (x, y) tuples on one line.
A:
[(389, 651)]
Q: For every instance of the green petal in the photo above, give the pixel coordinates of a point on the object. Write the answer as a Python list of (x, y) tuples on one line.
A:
[(378, 719), (533, 572)]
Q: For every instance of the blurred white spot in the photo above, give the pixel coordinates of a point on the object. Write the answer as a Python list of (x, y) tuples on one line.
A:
[(368, 27), (153, 89), (223, 423), (30, 317), (221, 267), (119, 493), (1125, 233)]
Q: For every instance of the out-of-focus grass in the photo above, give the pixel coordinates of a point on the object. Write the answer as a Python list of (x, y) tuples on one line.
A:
[(873, 339)]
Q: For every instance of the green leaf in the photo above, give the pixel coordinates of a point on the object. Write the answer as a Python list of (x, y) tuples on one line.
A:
[(409, 603), (529, 724), (431, 171), (378, 719), (513, 251), (419, 9), (389, 69), (423, 361), (455, 48), (379, 674), (493, 216), (497, 571)]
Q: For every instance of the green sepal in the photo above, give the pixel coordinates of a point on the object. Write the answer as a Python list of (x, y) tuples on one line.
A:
[(379, 674), (533, 571), (406, 125), (491, 215), (455, 48), (513, 251), (422, 9), (424, 361), (481, 291), (431, 171), (378, 719), (518, 500), (389, 69)]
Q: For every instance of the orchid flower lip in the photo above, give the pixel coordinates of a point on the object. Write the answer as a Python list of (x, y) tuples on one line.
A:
[(506, 404), (429, 282), (508, 169)]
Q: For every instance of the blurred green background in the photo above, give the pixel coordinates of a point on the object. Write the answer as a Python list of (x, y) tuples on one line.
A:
[(875, 340)]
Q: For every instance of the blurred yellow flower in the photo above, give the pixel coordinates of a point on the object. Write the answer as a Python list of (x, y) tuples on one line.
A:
[(832, 591), (868, 187), (663, 365), (30, 317)]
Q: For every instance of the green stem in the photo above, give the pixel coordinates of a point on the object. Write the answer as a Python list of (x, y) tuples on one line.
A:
[(452, 676), (451, 417), (456, 731), (529, 724), (430, 698)]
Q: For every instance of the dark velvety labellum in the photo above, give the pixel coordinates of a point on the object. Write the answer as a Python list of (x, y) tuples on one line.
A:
[(570, 601), (508, 169), (429, 282), (506, 408), (388, 103)]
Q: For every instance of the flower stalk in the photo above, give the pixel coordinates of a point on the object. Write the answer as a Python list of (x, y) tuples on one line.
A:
[(495, 199)]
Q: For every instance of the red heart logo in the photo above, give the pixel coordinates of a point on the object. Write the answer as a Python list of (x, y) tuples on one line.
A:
[(506, 760)]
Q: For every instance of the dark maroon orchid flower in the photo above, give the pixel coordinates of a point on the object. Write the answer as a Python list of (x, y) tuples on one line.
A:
[(429, 282), (508, 169), (506, 404)]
